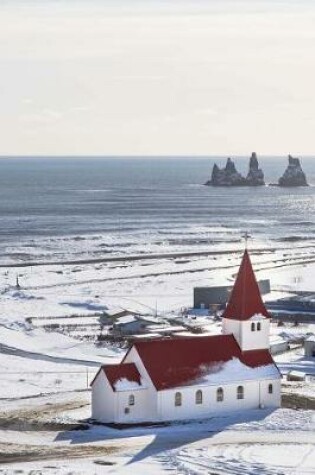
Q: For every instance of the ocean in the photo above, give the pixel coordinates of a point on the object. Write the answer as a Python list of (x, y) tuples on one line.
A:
[(61, 208)]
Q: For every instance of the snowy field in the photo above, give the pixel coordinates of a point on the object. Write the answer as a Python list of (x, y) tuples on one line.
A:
[(141, 285), (262, 442)]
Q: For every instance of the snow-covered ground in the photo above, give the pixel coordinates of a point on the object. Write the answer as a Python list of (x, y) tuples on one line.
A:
[(223, 445), (34, 362), (165, 283), (295, 361)]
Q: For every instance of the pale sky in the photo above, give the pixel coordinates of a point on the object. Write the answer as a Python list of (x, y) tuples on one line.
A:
[(153, 77)]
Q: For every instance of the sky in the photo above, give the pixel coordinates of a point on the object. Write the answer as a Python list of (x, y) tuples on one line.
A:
[(153, 77)]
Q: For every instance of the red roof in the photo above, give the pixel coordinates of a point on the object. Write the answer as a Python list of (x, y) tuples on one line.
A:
[(115, 372), (245, 300), (177, 362)]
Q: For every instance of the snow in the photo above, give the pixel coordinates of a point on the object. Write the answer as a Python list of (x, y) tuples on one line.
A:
[(166, 329), (261, 458), (55, 290), (229, 445), (276, 339), (34, 362), (125, 320), (52, 344), (296, 361), (294, 334), (113, 311), (146, 336), (257, 316), (297, 278), (123, 384), (305, 388), (282, 442), (235, 370), (296, 374)]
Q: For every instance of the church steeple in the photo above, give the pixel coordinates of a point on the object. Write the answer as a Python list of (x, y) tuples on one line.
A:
[(245, 300), (246, 316)]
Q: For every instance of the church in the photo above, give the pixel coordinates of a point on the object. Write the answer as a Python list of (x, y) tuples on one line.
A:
[(196, 377)]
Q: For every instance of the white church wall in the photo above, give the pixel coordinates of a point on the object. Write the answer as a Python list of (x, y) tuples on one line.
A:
[(133, 357), (232, 327), (267, 398), (139, 411), (103, 400), (150, 405), (255, 394), (246, 338), (188, 409), (110, 406), (257, 339)]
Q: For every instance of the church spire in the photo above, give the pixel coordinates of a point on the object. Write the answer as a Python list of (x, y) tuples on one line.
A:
[(245, 300)]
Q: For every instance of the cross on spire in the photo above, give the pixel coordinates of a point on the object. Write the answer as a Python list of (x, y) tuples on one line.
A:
[(246, 236)]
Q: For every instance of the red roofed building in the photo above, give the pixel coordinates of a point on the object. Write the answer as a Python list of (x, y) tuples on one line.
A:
[(197, 376), (246, 316)]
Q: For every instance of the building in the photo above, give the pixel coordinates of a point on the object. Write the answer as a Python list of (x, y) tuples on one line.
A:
[(278, 345), (298, 308), (195, 377), (309, 346), (131, 325), (212, 297), (296, 376), (111, 315)]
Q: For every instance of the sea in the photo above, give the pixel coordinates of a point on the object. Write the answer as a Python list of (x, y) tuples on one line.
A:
[(69, 208)]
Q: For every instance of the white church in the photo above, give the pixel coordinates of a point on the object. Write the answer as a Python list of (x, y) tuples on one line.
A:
[(199, 376)]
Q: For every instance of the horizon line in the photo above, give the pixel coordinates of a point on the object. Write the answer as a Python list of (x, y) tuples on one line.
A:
[(164, 156)]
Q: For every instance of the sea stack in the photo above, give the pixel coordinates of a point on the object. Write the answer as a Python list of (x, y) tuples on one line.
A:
[(255, 176), (227, 176), (294, 175)]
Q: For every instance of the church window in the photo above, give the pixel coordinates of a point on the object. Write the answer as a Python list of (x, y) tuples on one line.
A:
[(270, 389), (220, 394), (240, 392), (258, 326), (253, 327), (131, 400), (178, 399), (199, 397)]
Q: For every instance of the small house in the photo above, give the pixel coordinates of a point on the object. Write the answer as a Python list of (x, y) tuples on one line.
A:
[(309, 346), (296, 376)]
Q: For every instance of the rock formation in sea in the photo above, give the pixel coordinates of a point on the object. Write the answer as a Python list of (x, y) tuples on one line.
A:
[(229, 176), (255, 176), (294, 175)]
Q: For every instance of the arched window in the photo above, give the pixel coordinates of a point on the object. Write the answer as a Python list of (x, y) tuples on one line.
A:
[(253, 326), (220, 394), (178, 399), (270, 389), (258, 326), (131, 400), (199, 397), (240, 392)]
